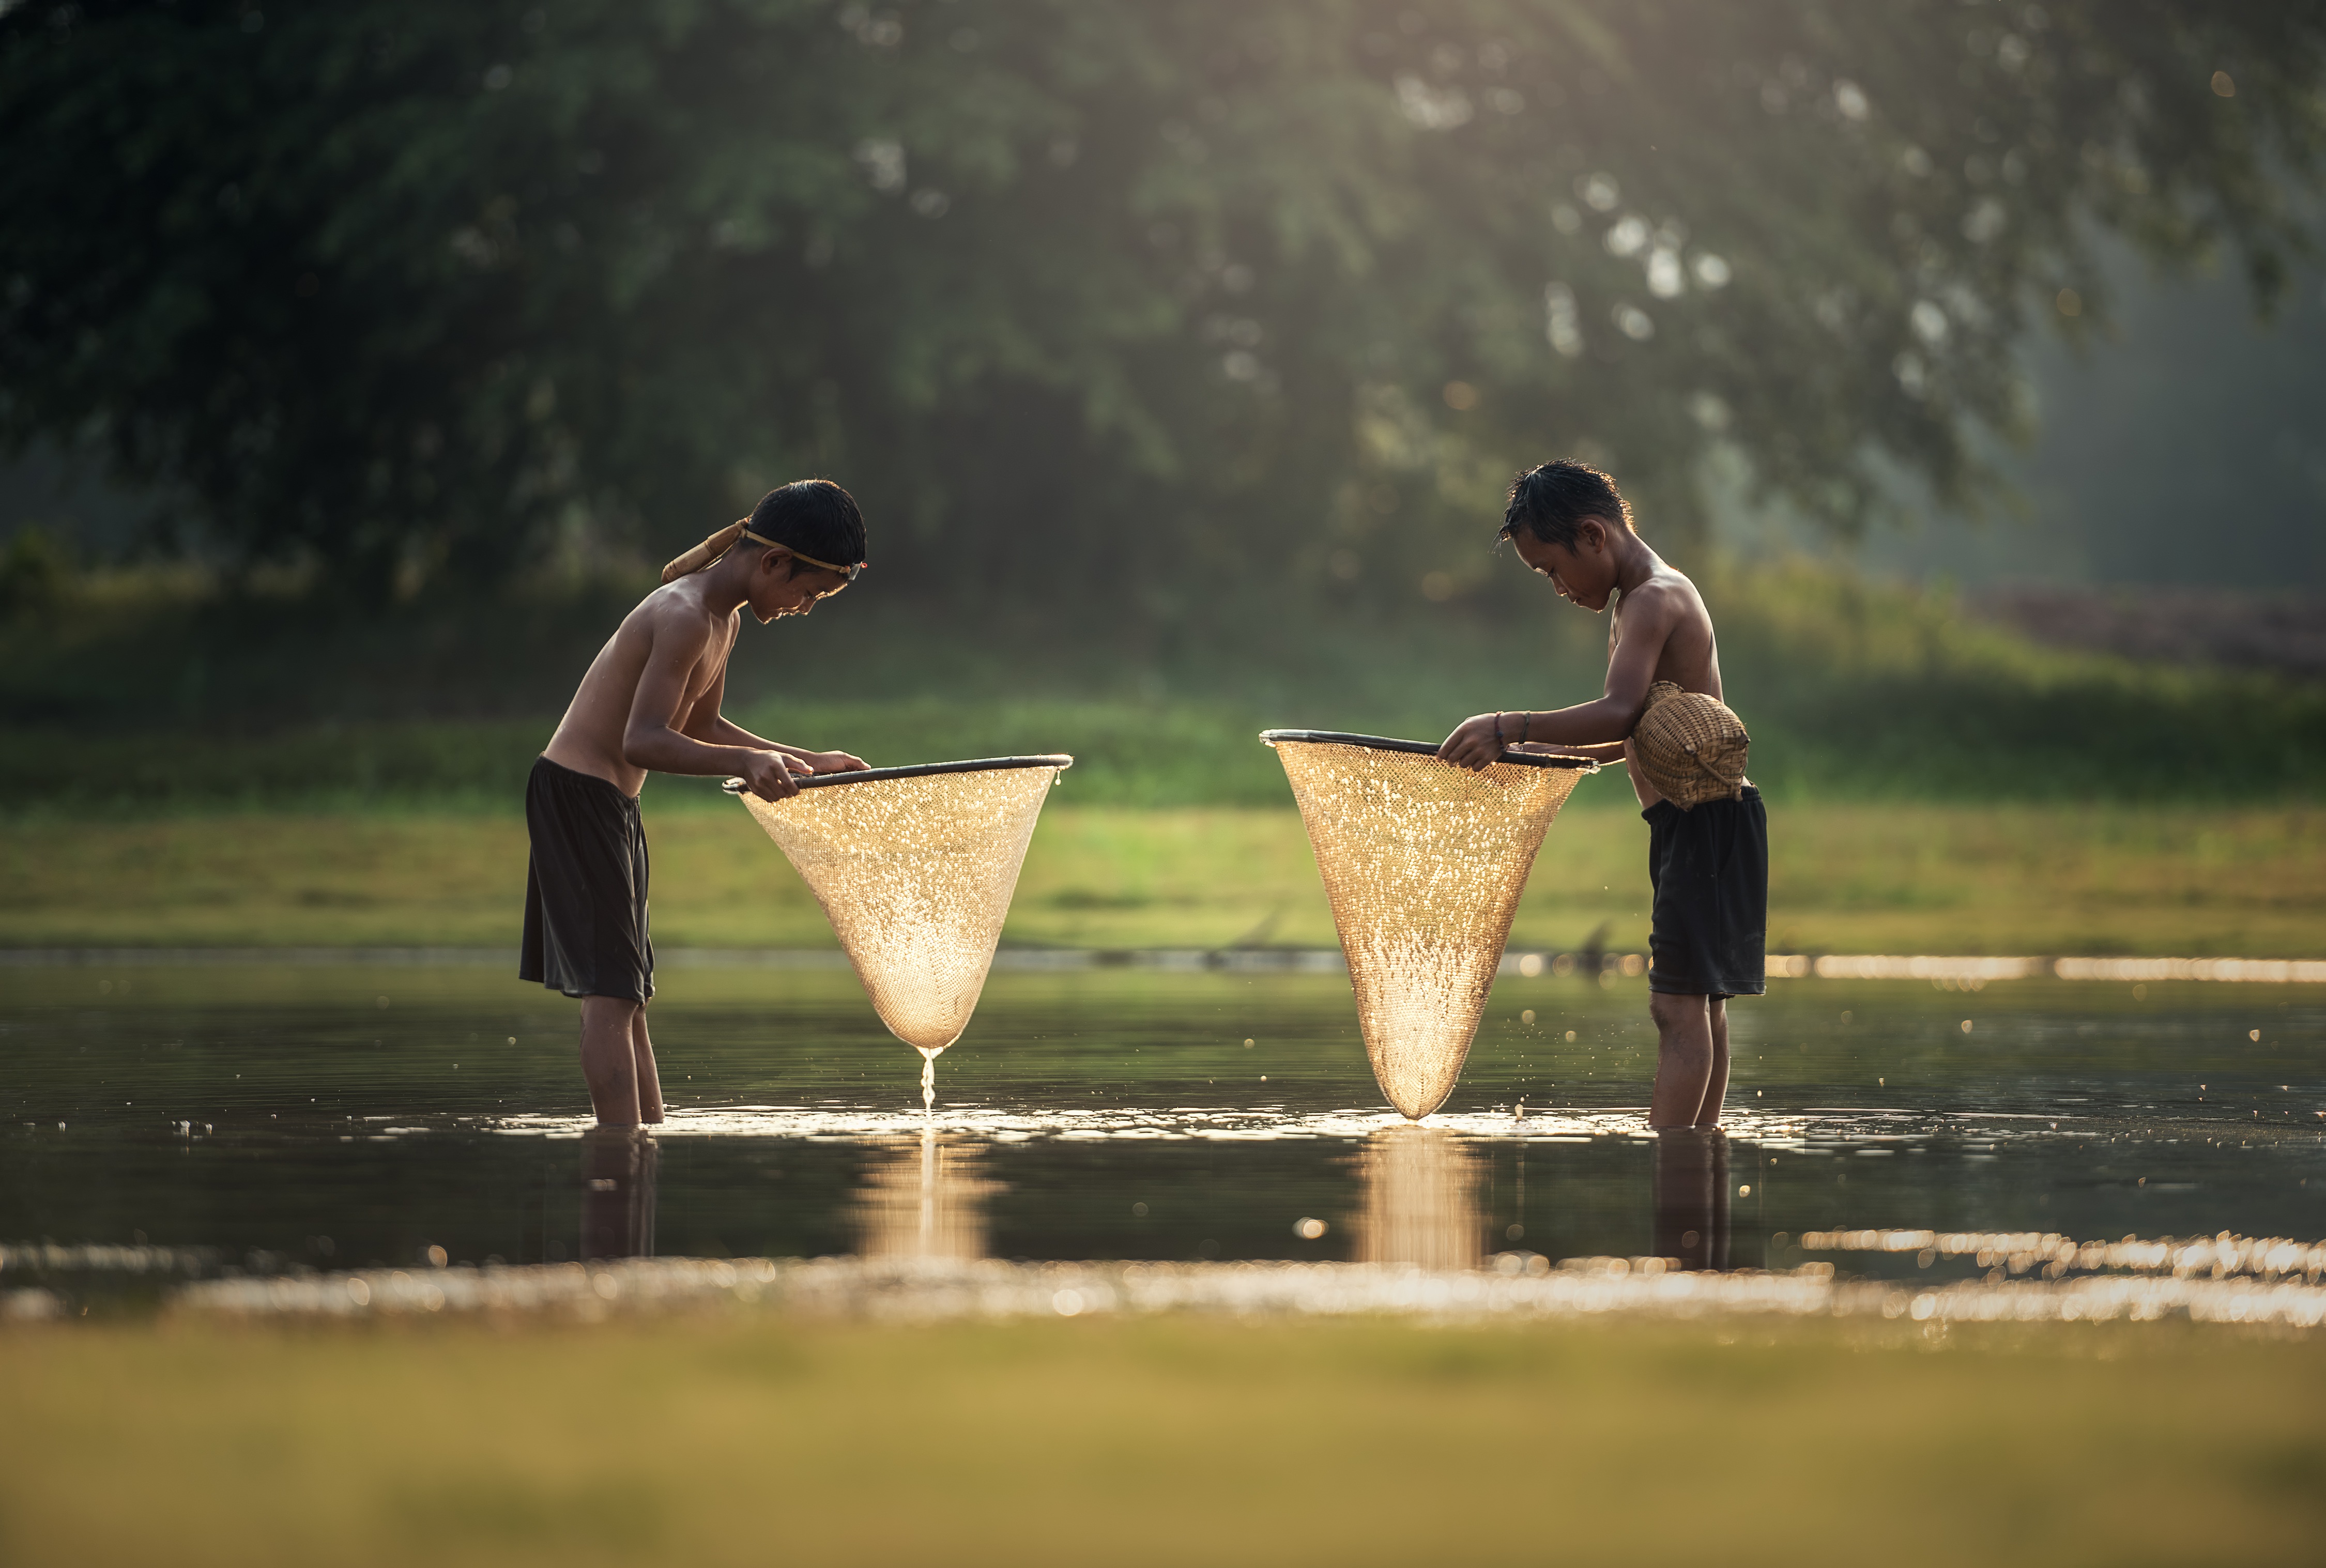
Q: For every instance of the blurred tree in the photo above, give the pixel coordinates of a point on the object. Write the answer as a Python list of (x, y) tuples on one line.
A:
[(1157, 297)]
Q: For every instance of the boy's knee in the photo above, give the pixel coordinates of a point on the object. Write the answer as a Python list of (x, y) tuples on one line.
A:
[(1665, 1008)]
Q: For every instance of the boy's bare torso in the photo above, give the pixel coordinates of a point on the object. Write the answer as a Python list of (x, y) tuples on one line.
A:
[(590, 738), (1666, 610), (1689, 656)]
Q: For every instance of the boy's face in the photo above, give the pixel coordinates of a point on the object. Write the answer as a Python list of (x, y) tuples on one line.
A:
[(782, 586), (1585, 575)]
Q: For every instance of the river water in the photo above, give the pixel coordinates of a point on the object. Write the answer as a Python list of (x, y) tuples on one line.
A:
[(278, 1118)]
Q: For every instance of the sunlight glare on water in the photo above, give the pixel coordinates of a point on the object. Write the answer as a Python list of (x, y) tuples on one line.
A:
[(201, 1121)]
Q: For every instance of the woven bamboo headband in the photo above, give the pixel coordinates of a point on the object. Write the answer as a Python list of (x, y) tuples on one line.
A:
[(720, 542)]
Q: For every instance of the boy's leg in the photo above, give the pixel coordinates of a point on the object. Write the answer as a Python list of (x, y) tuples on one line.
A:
[(618, 1193), (1715, 1079), (1690, 1197), (609, 1059), (1684, 1059), (649, 1081)]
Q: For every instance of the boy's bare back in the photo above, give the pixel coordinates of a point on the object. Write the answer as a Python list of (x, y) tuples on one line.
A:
[(667, 656), (650, 702)]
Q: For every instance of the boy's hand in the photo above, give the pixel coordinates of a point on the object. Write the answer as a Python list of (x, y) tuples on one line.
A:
[(769, 774), (1474, 744), (832, 762)]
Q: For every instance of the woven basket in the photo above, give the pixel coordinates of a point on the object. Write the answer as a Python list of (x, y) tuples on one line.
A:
[(1691, 746)]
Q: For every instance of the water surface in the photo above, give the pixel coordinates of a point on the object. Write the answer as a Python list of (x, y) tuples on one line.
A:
[(344, 1117)]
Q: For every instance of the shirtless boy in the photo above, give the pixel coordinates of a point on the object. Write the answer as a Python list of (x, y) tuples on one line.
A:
[(1709, 863), (650, 703)]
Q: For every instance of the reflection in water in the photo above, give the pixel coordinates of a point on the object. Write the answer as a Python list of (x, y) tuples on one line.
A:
[(1421, 1199), (924, 1198), (1691, 1198), (618, 1193)]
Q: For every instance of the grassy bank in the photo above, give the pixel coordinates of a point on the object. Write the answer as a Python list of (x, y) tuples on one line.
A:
[(745, 1441), (1853, 691), (1919, 878)]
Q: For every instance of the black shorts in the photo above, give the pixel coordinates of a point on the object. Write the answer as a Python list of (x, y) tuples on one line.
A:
[(1709, 867), (585, 891)]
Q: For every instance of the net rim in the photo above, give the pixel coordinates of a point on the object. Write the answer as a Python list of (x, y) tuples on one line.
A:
[(736, 786), (1418, 748)]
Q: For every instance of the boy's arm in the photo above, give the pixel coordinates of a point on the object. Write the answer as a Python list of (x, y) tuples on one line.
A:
[(1606, 751), (1599, 727), (705, 723), (650, 739)]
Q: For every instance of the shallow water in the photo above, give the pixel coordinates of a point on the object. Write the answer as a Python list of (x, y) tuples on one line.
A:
[(339, 1118)]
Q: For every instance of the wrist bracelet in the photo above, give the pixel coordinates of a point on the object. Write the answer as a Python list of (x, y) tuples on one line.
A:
[(1498, 728)]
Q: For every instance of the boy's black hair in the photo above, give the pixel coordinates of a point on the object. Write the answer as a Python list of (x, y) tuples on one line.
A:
[(814, 516), (1551, 502)]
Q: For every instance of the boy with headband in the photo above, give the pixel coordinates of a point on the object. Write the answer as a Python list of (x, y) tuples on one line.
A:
[(650, 703)]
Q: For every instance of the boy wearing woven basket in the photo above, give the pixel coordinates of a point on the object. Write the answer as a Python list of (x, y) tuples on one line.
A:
[(650, 702), (1662, 714)]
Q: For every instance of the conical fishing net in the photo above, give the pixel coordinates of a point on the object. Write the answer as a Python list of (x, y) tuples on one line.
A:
[(914, 868), (1424, 863)]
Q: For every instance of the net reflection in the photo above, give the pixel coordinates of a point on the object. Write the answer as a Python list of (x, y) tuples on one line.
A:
[(924, 1198), (618, 1193), (1421, 1200), (1691, 1198)]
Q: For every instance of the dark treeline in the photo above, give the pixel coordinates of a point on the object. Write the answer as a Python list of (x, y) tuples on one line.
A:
[(1148, 299)]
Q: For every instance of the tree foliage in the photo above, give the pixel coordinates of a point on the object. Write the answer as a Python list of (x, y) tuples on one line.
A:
[(1144, 294)]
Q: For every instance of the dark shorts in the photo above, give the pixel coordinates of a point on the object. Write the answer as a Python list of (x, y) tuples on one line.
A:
[(585, 891), (1709, 868)]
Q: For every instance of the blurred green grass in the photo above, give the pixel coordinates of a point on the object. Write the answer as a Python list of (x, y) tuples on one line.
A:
[(1853, 877), (1853, 692), (751, 1439), (1126, 753), (177, 769)]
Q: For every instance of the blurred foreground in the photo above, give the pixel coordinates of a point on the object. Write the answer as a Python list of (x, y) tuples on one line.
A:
[(716, 1439)]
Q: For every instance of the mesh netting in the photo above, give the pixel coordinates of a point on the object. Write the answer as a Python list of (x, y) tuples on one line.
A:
[(1424, 863), (915, 872)]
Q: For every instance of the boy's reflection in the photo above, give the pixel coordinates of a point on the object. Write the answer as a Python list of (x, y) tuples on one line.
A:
[(618, 1193), (1421, 1199), (1692, 1197)]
